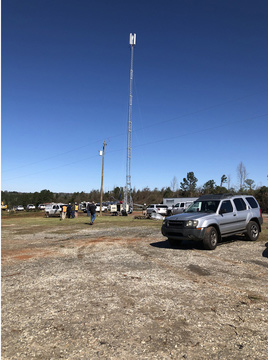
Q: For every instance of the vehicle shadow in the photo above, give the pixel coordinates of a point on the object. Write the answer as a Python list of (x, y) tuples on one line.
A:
[(190, 244), (265, 252), (184, 245)]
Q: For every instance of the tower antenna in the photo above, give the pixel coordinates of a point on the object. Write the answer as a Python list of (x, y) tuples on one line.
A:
[(127, 192)]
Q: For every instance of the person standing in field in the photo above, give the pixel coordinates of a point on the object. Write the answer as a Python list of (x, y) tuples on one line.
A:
[(69, 211), (88, 209), (75, 210), (63, 213), (92, 209)]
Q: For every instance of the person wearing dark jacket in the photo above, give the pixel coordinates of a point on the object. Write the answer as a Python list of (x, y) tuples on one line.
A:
[(92, 209), (88, 211), (69, 211)]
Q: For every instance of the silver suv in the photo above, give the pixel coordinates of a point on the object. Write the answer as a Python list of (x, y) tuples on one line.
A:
[(212, 217)]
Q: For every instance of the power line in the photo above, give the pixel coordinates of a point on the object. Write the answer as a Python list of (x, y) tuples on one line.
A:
[(148, 143), (141, 128)]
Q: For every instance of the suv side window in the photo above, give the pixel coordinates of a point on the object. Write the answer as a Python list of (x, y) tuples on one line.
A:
[(240, 204), (226, 206), (252, 202), (182, 204)]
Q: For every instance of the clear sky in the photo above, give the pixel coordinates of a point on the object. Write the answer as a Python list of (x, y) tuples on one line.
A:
[(200, 92)]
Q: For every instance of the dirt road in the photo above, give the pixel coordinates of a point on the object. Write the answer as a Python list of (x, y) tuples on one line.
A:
[(108, 292)]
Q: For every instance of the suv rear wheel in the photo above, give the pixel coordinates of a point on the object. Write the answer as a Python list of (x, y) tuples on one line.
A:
[(210, 240), (252, 231)]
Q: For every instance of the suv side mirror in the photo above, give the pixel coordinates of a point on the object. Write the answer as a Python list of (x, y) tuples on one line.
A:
[(222, 211)]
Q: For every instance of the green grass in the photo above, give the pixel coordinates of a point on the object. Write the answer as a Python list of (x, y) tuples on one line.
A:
[(31, 224)]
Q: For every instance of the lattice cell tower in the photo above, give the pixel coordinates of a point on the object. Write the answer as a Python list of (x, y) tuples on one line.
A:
[(127, 192)]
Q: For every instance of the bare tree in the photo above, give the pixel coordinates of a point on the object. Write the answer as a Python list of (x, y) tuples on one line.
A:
[(241, 174), (229, 181)]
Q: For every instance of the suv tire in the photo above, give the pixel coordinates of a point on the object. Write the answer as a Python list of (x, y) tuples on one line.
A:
[(210, 240), (252, 231)]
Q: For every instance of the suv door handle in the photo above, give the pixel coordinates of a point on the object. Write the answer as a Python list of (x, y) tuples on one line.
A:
[(234, 214)]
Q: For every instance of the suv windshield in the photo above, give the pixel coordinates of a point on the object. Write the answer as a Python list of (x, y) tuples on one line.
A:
[(207, 206)]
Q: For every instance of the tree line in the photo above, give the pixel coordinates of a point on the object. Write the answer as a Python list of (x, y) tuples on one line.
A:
[(188, 188)]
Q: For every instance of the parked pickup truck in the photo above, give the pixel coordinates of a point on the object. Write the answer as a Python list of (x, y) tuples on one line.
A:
[(212, 217), (180, 207)]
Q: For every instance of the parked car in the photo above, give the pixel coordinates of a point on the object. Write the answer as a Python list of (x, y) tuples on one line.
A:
[(212, 217), (157, 208), (53, 209), (30, 207), (19, 208), (41, 207), (180, 207)]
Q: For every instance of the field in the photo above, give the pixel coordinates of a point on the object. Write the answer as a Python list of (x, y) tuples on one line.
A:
[(116, 290)]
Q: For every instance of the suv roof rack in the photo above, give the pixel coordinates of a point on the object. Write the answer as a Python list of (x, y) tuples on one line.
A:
[(215, 196)]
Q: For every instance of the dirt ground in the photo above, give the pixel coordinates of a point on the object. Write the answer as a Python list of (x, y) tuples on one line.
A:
[(120, 292)]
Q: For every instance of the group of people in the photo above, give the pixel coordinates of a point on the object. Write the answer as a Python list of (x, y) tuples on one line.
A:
[(71, 211)]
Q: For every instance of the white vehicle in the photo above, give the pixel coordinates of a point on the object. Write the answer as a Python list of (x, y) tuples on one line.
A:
[(30, 207), (41, 207), (53, 209), (83, 206), (104, 208), (116, 209), (19, 208), (180, 207), (157, 208)]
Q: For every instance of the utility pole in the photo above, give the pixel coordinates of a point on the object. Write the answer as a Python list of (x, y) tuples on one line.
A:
[(102, 153), (127, 192)]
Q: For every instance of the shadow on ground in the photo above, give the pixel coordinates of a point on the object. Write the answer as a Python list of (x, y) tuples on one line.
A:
[(189, 244), (265, 253)]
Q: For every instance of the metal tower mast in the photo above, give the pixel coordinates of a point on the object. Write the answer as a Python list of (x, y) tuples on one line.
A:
[(127, 192)]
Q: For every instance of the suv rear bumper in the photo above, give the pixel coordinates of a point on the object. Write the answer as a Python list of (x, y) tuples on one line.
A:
[(183, 234)]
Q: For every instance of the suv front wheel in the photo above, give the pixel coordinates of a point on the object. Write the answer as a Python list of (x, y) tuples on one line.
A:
[(252, 231), (210, 240)]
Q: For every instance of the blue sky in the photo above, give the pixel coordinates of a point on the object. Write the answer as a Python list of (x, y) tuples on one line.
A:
[(199, 94)]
